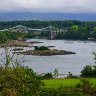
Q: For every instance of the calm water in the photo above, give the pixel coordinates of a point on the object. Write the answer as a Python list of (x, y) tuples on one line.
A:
[(65, 63)]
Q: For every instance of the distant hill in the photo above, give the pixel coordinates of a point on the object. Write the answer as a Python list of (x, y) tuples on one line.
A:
[(47, 16)]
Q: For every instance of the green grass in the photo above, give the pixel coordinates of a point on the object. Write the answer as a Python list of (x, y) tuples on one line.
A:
[(55, 83)]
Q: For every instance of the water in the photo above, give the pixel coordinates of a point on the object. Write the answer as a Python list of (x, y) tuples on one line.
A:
[(64, 63)]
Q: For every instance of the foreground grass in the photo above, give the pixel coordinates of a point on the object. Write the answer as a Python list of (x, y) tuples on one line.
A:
[(55, 83)]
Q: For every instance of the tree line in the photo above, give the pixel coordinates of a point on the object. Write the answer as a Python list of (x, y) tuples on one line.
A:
[(75, 29), (5, 36)]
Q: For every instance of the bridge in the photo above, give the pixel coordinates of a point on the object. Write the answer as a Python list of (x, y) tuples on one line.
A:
[(53, 32)]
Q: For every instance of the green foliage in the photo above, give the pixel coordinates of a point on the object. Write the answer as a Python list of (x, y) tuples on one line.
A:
[(75, 29), (93, 34), (40, 24), (75, 32), (12, 35), (30, 35), (88, 71), (84, 88), (87, 88), (17, 80), (44, 34), (21, 80), (6, 35), (60, 92), (41, 48), (3, 38), (56, 83), (47, 76)]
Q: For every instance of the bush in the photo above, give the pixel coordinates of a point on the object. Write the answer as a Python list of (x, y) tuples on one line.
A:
[(7, 35), (87, 88), (41, 48), (3, 38), (20, 80), (88, 71), (47, 76), (17, 80), (63, 91)]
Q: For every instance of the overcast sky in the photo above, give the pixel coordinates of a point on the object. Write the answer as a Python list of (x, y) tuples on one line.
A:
[(63, 6)]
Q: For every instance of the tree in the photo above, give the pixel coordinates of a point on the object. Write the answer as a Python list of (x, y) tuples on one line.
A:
[(87, 71), (3, 38), (47, 76)]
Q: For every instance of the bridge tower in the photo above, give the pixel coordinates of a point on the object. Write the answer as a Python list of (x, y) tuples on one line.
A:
[(52, 32)]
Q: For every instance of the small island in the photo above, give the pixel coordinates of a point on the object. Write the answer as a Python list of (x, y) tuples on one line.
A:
[(45, 51)]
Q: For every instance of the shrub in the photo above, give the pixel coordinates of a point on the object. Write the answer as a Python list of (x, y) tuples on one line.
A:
[(21, 80), (41, 48), (3, 38), (88, 71), (87, 88), (47, 76), (68, 91), (17, 80)]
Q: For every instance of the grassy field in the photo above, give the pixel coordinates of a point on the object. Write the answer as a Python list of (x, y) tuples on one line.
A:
[(55, 83)]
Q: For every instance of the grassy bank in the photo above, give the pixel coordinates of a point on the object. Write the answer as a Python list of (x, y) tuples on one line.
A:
[(56, 83)]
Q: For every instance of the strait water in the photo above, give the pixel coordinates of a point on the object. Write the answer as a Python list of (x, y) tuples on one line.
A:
[(64, 63)]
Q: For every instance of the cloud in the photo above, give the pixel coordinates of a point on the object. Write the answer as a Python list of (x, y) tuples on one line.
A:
[(48, 5)]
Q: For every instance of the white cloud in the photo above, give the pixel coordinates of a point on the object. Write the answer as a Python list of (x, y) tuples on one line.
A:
[(48, 5)]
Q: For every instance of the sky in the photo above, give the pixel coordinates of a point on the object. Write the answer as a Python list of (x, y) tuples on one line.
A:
[(61, 6)]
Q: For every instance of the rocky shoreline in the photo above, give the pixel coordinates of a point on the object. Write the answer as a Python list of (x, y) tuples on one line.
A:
[(40, 51), (15, 43), (18, 43), (46, 52)]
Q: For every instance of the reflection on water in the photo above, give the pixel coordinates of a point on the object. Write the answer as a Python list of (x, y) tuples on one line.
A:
[(65, 63)]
